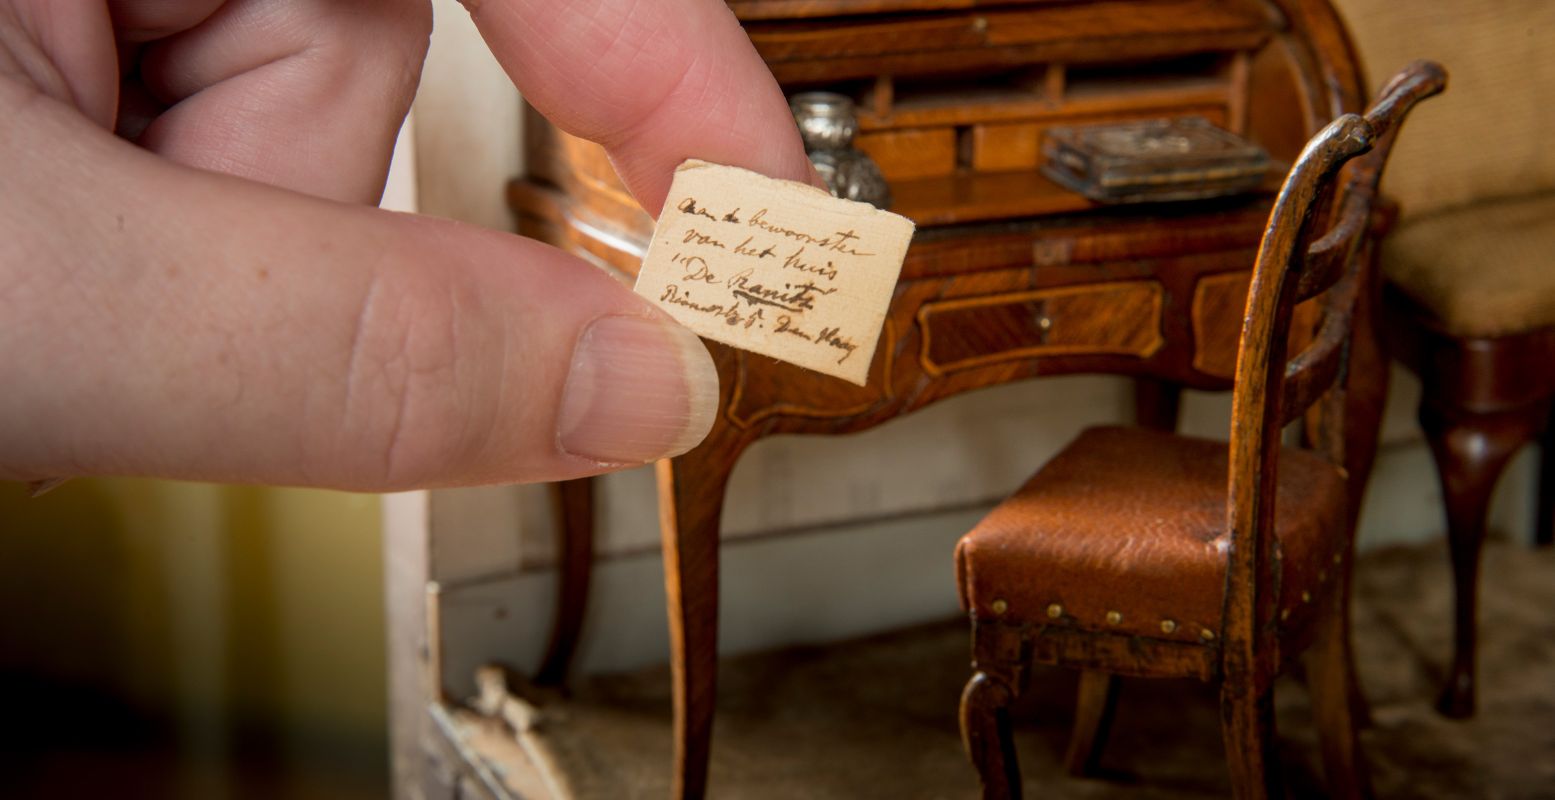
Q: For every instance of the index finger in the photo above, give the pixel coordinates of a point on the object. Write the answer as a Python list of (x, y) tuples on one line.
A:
[(654, 81)]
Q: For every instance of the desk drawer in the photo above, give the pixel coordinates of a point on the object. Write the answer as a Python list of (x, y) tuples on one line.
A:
[(1218, 303), (1121, 318)]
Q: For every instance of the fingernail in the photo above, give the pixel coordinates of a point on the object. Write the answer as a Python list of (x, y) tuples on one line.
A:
[(638, 390)]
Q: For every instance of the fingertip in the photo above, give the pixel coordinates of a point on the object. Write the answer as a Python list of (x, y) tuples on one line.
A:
[(815, 178)]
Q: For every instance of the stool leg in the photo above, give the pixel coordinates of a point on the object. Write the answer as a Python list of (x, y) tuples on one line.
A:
[(1094, 703), (1471, 451)]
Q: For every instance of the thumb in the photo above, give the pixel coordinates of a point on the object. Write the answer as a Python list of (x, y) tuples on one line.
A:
[(165, 321)]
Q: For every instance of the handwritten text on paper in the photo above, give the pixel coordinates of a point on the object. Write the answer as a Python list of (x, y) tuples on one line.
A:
[(775, 267)]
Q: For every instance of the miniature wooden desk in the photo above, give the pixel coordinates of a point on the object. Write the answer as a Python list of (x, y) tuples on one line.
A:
[(1010, 276)]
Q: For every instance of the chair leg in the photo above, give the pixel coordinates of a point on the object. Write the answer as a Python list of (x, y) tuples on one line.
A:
[(1247, 726), (1471, 451), (985, 731), (1096, 698), (1544, 519), (1328, 669), (1360, 707)]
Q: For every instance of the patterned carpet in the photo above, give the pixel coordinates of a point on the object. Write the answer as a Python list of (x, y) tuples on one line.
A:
[(877, 718)]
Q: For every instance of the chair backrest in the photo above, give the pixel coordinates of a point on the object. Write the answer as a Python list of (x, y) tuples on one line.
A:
[(1309, 250)]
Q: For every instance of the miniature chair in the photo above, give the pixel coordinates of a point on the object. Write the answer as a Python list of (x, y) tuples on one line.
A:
[(1144, 553)]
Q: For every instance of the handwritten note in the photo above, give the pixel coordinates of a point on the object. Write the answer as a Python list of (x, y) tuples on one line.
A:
[(775, 267)]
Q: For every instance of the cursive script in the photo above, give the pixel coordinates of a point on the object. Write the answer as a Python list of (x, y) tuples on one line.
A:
[(802, 276), (840, 241)]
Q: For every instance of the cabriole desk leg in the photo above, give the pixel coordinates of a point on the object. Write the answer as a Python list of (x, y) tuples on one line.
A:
[(691, 497), (1544, 514), (574, 509)]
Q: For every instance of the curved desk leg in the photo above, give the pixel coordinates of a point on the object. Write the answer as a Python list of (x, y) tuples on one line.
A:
[(1544, 515), (1157, 404), (573, 503), (691, 498)]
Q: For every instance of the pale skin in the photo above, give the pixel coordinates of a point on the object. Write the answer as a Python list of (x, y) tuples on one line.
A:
[(194, 283)]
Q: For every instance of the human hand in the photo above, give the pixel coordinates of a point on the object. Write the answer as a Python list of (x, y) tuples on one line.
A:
[(207, 295)]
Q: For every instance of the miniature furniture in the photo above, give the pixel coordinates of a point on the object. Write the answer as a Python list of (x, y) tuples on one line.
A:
[(1010, 275), (1471, 268), (1141, 552), (1485, 395)]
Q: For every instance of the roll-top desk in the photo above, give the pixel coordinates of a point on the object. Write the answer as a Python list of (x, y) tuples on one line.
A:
[(1010, 276)]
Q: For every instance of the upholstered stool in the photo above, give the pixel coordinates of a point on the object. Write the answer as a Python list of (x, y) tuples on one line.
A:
[(1471, 310), (1470, 305)]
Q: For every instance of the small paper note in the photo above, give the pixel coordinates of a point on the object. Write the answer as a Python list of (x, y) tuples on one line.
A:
[(775, 267)]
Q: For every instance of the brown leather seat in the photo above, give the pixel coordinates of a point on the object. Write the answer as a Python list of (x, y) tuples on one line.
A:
[(1124, 531)]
